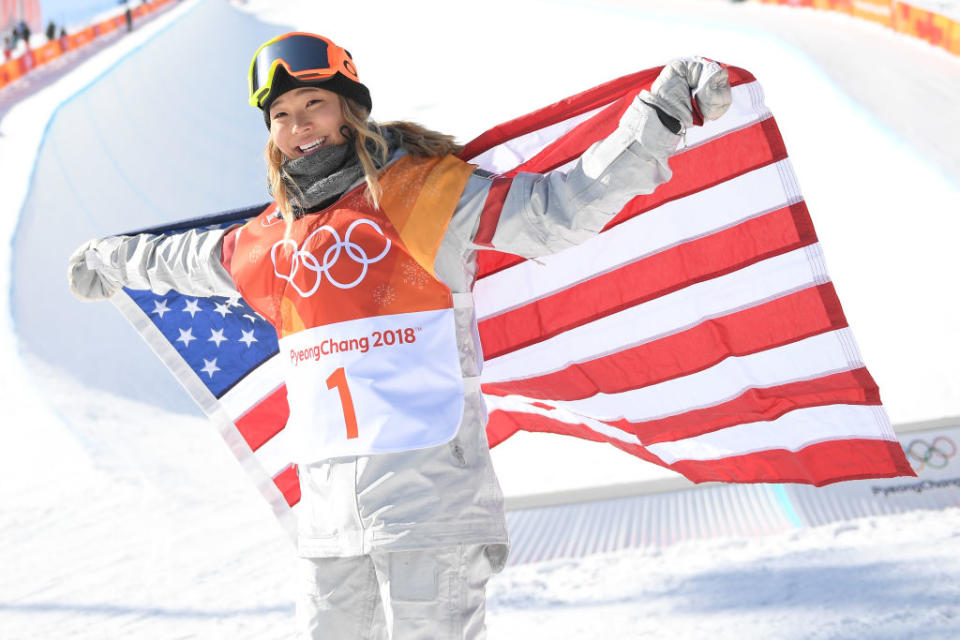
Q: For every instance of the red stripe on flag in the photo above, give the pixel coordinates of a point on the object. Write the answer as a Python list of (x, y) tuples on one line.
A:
[(559, 111), (711, 163), (265, 419), (577, 105), (500, 426), (288, 482), (700, 168), (670, 270), (490, 216), (818, 464), (512, 421), (573, 143), (854, 387), (772, 324), (227, 247)]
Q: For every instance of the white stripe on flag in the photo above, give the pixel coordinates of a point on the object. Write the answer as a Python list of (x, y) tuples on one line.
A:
[(698, 215), (518, 404), (792, 431), (747, 108), (256, 385), (508, 155), (807, 359), (277, 453), (755, 284)]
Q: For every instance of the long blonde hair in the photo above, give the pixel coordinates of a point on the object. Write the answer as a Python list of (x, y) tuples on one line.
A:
[(414, 138)]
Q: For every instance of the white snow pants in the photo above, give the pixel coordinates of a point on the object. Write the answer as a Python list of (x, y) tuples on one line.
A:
[(430, 594)]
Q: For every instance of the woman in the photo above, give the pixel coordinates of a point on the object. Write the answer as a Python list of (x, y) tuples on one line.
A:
[(364, 266)]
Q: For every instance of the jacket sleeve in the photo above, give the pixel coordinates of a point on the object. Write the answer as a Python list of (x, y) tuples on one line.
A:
[(188, 262), (537, 214)]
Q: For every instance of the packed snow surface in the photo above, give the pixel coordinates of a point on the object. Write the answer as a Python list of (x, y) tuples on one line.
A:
[(121, 518)]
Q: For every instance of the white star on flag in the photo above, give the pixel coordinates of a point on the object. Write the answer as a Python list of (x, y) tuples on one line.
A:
[(193, 307), (233, 301), (216, 336), (247, 338), (160, 307), (222, 309), (186, 337), (210, 367)]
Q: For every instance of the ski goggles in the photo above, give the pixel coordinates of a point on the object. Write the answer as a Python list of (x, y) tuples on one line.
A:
[(305, 56)]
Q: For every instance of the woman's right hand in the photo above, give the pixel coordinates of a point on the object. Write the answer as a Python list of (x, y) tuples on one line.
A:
[(88, 281)]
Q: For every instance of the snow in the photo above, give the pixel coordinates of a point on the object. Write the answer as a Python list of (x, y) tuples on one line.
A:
[(884, 578), (21, 131), (122, 519)]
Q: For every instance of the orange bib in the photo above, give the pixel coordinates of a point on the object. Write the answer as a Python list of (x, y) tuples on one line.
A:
[(367, 333)]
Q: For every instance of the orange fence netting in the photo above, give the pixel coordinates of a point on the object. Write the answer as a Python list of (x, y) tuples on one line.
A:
[(34, 58), (903, 17)]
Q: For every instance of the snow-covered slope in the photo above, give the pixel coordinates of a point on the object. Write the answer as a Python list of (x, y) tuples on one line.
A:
[(127, 516)]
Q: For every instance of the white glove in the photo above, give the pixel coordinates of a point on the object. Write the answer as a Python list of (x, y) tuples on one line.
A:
[(689, 88), (90, 278)]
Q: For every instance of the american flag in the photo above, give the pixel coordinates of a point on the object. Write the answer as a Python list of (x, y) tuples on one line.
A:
[(225, 355), (698, 331)]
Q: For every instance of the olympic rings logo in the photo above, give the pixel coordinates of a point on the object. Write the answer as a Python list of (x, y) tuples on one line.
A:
[(330, 257), (936, 455)]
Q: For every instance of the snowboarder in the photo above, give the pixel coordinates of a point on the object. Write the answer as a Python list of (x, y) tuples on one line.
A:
[(372, 235), (24, 33)]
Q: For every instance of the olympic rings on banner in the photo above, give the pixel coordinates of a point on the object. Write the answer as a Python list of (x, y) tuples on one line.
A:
[(936, 455), (331, 255)]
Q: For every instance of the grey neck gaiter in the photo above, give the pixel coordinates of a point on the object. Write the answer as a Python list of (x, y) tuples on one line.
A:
[(323, 176)]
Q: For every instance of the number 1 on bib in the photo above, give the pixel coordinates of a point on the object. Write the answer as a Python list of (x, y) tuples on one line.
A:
[(338, 379)]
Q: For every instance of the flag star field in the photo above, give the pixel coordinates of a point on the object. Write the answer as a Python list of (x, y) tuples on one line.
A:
[(221, 339)]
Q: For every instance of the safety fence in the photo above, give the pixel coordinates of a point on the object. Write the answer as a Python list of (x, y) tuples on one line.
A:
[(910, 18), (660, 513), (32, 59)]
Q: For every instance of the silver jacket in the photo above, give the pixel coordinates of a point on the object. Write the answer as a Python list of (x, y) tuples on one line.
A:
[(447, 494)]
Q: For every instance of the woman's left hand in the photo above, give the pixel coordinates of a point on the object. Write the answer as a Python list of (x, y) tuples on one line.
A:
[(691, 90)]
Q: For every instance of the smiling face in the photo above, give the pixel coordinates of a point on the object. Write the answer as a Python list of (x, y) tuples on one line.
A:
[(305, 120)]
